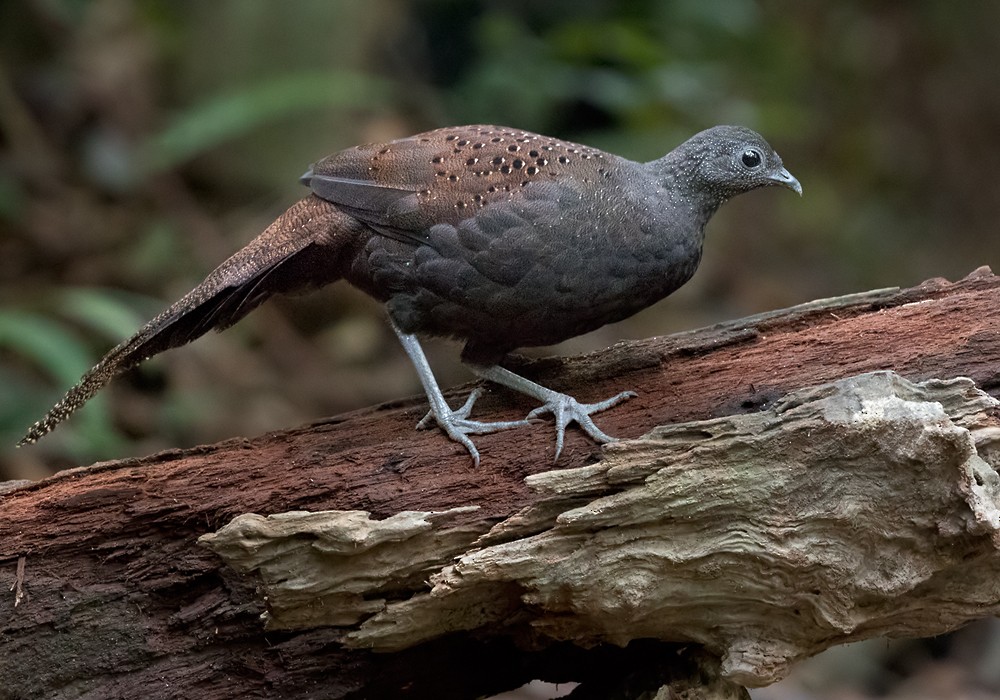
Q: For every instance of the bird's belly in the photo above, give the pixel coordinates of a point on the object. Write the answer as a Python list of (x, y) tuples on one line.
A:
[(544, 303)]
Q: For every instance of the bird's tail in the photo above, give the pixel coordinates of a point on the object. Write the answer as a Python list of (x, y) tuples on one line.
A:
[(303, 248)]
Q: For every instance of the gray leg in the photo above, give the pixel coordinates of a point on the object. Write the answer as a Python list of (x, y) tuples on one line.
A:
[(455, 423), (564, 408)]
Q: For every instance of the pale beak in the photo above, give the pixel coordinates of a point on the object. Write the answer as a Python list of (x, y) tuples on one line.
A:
[(786, 179)]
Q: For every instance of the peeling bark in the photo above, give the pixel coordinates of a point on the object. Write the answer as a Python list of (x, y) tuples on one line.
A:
[(776, 498), (792, 526)]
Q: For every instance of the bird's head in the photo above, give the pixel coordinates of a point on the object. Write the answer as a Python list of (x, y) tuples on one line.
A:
[(729, 160)]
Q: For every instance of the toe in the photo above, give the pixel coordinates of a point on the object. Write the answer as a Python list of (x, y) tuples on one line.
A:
[(565, 410), (458, 427)]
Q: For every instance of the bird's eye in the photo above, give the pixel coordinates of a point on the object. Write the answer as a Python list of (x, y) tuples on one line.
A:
[(751, 158)]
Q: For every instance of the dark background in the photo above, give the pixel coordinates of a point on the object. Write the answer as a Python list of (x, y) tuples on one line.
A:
[(143, 142)]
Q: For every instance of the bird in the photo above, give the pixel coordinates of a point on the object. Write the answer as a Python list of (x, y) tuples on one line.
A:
[(493, 236)]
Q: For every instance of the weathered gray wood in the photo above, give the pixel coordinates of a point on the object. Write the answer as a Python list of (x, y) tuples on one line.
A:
[(846, 511), (674, 535)]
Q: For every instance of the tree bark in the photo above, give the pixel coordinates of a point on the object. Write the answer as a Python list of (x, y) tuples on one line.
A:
[(786, 482)]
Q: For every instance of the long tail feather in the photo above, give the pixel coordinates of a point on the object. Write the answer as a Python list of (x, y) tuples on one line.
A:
[(301, 249)]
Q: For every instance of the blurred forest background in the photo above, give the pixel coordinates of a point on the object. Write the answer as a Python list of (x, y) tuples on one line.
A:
[(141, 143)]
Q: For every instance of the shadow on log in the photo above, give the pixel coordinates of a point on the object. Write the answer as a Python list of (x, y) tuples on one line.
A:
[(794, 480)]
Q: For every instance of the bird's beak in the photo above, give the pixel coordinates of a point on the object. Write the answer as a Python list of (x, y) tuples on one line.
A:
[(786, 179)]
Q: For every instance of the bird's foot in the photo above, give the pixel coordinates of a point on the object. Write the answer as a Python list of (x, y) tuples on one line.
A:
[(565, 409), (429, 420), (458, 427)]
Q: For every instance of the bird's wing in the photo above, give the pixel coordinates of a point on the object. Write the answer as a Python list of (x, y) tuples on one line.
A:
[(402, 188), (298, 250), (392, 211)]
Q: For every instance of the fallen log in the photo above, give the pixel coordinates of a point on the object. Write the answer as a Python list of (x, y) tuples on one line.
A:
[(787, 482)]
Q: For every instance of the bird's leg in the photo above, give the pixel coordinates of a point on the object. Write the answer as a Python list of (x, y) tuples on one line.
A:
[(455, 423), (564, 408)]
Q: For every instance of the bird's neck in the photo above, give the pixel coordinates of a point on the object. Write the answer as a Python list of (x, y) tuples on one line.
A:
[(678, 176)]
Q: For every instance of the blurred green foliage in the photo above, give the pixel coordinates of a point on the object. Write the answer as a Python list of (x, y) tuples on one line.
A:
[(143, 142), (206, 125), (54, 339)]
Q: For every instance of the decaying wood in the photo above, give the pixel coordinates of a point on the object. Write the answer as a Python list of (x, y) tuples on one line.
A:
[(845, 511), (812, 503)]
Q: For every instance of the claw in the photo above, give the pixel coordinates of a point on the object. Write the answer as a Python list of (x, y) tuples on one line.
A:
[(458, 427), (428, 421), (565, 409), (457, 424)]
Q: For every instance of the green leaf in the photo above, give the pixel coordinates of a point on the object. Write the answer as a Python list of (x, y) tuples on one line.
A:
[(101, 310), (45, 343), (62, 355), (225, 117)]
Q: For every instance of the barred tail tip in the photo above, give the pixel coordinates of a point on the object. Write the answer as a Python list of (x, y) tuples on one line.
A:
[(32, 435), (46, 425)]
